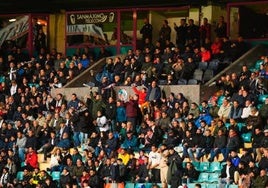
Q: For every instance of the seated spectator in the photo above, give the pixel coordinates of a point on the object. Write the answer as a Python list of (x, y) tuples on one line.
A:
[(190, 174), (227, 173), (261, 180), (31, 159)]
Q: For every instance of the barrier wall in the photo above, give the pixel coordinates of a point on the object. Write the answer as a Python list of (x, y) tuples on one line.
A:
[(191, 92)]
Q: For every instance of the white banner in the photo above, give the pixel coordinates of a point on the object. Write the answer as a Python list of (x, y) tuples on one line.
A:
[(15, 30), (85, 29)]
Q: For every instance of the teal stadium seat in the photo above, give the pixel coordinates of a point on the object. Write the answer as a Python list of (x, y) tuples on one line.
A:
[(240, 125), (213, 177), (191, 185), (55, 175), (212, 185), (215, 167), (19, 175), (203, 177), (2, 79), (196, 164), (129, 185), (203, 167), (247, 137), (220, 100), (232, 186), (258, 64), (262, 98)]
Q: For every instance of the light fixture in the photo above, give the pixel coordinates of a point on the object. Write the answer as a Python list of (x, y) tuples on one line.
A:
[(12, 20)]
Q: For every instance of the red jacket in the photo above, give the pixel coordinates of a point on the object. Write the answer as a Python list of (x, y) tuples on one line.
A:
[(32, 159), (205, 56), (142, 96), (216, 47)]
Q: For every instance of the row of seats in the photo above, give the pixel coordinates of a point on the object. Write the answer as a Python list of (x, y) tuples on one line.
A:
[(55, 175), (211, 185), (206, 166)]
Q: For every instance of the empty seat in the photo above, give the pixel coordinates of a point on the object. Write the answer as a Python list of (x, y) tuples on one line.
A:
[(212, 185), (213, 177), (246, 137), (192, 82), (203, 166), (20, 175), (129, 185), (55, 175), (262, 98), (213, 64), (208, 75), (198, 75), (182, 82), (203, 177), (215, 167)]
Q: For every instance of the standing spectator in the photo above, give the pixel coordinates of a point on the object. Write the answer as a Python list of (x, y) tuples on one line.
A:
[(20, 145), (193, 34), (221, 28), (164, 168), (165, 32), (205, 31), (146, 31), (154, 93), (154, 161), (175, 169), (181, 33)]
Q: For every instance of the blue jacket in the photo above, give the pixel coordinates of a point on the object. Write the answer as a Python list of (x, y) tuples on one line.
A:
[(157, 96), (121, 114), (64, 143)]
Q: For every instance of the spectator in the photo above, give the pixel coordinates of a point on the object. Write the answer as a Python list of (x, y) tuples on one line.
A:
[(146, 31)]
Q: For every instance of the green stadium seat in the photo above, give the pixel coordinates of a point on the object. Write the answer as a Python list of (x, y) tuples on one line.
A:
[(55, 175), (2, 79), (247, 137), (227, 125), (215, 167), (258, 64), (212, 185), (240, 125), (129, 185), (191, 185), (262, 98), (19, 175), (220, 100), (203, 166), (213, 177), (203, 177), (232, 186), (196, 164)]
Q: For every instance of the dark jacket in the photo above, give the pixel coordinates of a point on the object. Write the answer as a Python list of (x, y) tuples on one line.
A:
[(220, 142), (231, 172)]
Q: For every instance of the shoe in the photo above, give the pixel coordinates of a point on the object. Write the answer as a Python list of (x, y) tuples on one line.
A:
[(40, 150)]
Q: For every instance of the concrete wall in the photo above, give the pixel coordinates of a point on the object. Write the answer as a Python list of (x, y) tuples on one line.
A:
[(191, 92)]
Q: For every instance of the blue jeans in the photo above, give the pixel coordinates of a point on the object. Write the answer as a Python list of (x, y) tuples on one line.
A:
[(215, 152), (21, 154), (83, 137), (76, 139)]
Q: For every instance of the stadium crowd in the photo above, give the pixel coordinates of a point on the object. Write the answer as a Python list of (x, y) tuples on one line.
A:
[(146, 137)]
